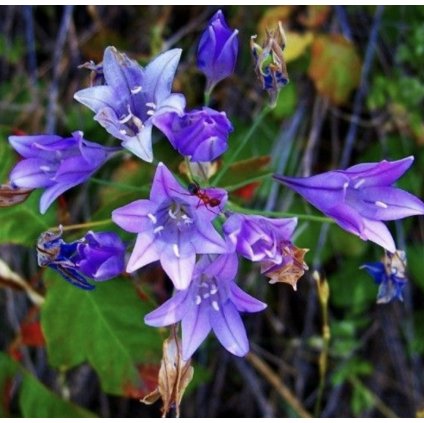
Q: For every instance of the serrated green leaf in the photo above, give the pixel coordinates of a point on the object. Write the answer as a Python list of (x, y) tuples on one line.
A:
[(103, 327), (35, 400)]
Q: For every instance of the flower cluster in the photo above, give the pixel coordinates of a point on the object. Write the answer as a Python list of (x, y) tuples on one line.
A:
[(192, 231)]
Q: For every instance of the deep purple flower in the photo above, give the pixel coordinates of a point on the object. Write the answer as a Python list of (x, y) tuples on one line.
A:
[(361, 197), (258, 238), (173, 226), (133, 97), (390, 275), (99, 256), (213, 301), (217, 52), (55, 163), (200, 134)]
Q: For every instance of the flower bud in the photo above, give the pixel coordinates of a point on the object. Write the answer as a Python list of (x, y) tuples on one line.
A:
[(217, 52)]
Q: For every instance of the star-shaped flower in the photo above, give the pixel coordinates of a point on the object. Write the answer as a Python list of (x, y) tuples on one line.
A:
[(133, 96)]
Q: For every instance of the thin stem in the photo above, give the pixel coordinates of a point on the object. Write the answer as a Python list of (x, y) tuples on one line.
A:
[(207, 98), (83, 225), (118, 185), (237, 208), (234, 187), (189, 172), (240, 147), (275, 380)]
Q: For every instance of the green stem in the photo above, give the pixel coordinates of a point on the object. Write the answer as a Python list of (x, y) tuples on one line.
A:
[(83, 225), (234, 187), (189, 172), (118, 185), (237, 208), (207, 98), (240, 147)]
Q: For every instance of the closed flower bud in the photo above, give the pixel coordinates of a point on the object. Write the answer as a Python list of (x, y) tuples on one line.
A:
[(217, 53)]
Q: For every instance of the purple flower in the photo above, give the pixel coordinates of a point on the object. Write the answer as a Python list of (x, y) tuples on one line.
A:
[(55, 163), (213, 301), (258, 238), (173, 226), (201, 134), (361, 197), (101, 256), (133, 97), (217, 52), (390, 275)]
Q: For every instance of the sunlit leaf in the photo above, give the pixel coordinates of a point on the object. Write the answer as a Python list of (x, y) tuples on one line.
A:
[(297, 43), (335, 67), (103, 327)]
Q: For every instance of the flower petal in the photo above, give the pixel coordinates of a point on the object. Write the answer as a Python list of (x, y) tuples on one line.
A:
[(133, 216), (377, 232), (224, 267), (387, 203), (170, 312), (206, 240), (97, 98), (144, 252), (229, 329), (159, 75), (141, 143), (25, 145), (178, 264), (28, 173), (379, 174), (165, 186), (51, 193), (244, 301), (195, 327)]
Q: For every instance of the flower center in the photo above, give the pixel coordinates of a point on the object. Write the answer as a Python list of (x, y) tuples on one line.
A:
[(207, 291)]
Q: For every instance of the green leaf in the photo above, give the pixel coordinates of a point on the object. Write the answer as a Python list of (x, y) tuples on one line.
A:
[(35, 400), (23, 223), (6, 158), (104, 327), (335, 67)]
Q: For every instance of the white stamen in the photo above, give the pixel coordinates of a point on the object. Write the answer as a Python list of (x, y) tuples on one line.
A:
[(214, 289), (345, 185), (176, 250), (136, 89), (137, 122), (359, 183), (123, 131), (171, 214), (158, 229), (204, 285), (198, 299), (126, 118), (152, 217), (381, 204), (150, 112), (151, 105), (215, 305), (45, 168), (207, 295)]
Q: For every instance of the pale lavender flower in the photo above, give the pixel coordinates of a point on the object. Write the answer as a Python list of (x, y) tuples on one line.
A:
[(213, 301), (202, 135), (55, 163), (217, 52), (258, 238), (173, 226), (133, 96), (361, 197)]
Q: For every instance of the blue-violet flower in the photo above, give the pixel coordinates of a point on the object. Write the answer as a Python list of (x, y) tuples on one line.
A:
[(217, 52), (390, 275), (99, 256), (213, 301), (55, 163), (202, 135), (133, 96), (361, 197), (172, 226)]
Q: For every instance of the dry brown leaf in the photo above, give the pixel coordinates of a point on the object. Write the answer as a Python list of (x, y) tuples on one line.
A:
[(175, 374), (10, 196)]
